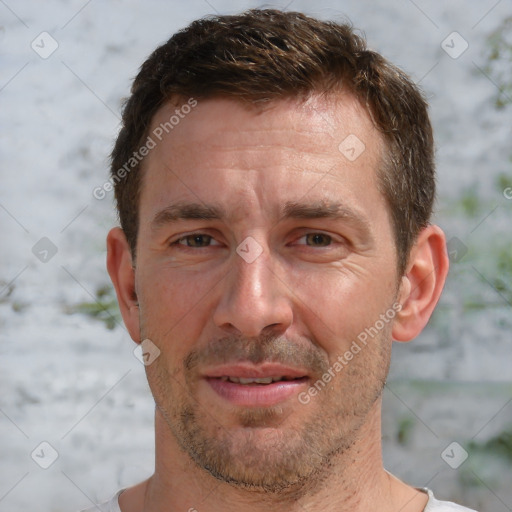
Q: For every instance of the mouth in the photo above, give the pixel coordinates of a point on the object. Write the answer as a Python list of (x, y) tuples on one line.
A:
[(257, 380), (256, 386)]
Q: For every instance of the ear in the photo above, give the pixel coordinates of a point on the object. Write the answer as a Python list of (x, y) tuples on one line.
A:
[(122, 274), (422, 283)]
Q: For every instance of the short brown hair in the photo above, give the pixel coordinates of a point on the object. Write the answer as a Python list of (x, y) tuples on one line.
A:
[(270, 54)]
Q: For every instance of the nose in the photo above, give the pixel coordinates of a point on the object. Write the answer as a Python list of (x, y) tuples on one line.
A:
[(254, 299)]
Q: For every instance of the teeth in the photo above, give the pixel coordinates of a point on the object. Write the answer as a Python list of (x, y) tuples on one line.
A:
[(250, 380)]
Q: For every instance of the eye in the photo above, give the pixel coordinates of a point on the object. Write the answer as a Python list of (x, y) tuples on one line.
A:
[(317, 239), (197, 240)]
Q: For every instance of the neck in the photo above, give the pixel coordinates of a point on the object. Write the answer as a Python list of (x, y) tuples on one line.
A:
[(353, 481)]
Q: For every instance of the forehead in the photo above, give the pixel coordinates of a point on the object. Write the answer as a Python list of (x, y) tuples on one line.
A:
[(278, 149), (317, 122)]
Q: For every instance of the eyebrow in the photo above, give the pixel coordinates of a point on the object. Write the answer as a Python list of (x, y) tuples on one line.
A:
[(323, 210), (187, 211), (290, 210)]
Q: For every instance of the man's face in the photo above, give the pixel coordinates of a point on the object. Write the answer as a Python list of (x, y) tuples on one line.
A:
[(275, 285)]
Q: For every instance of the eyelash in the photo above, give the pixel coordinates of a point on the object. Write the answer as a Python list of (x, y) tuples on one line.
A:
[(191, 235)]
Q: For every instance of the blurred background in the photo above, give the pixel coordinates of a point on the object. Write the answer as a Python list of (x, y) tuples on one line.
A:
[(76, 415)]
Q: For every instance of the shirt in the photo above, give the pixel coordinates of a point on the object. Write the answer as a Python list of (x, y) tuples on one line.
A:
[(433, 505)]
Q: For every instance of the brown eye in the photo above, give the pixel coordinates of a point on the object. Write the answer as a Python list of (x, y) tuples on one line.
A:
[(195, 240), (318, 239)]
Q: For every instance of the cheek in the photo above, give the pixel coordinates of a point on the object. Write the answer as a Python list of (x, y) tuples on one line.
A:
[(173, 309), (169, 292), (335, 307)]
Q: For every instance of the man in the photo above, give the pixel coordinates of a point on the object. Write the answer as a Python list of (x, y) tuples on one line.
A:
[(274, 181)]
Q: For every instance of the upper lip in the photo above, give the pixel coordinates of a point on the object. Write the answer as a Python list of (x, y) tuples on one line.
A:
[(249, 370)]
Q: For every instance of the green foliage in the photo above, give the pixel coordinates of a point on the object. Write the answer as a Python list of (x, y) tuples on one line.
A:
[(504, 261), (488, 461), (474, 305), (503, 180), (103, 308), (404, 432), (470, 202), (500, 444), (487, 263), (495, 260), (499, 61), (503, 281), (467, 204), (19, 306)]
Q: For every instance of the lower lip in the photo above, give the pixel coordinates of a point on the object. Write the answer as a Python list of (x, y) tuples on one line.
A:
[(257, 395)]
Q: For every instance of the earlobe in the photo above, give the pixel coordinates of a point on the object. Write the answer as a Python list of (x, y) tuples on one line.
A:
[(122, 274), (422, 284)]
